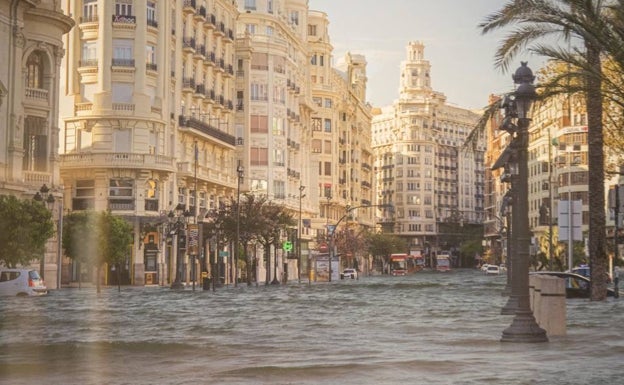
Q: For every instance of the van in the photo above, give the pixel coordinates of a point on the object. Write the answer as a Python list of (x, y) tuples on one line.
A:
[(21, 282)]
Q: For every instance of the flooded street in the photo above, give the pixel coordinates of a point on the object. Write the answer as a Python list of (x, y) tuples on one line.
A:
[(428, 328)]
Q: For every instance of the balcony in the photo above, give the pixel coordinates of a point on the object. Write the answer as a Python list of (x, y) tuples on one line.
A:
[(123, 62), (117, 160), (79, 204), (88, 63), (124, 204), (121, 20), (152, 23), (151, 67), (151, 205), (89, 19), (185, 121)]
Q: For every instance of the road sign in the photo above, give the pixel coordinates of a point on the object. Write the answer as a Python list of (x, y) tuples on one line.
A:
[(287, 246), (576, 207)]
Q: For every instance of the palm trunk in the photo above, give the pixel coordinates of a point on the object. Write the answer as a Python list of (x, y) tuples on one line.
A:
[(597, 236)]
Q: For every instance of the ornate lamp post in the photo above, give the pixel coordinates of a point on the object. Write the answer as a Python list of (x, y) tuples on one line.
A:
[(44, 196), (301, 195), (241, 173), (177, 223), (523, 328)]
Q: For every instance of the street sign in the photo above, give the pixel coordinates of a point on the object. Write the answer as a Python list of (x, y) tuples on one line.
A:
[(564, 220), (287, 246)]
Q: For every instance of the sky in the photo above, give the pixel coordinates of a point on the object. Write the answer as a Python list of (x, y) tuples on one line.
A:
[(461, 58)]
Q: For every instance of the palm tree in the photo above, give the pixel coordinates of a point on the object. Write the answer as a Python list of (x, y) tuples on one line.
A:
[(538, 22)]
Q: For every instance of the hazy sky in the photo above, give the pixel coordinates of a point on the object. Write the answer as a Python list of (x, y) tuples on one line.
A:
[(462, 60)]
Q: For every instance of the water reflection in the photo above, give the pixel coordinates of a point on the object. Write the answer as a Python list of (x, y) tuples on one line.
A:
[(426, 328)]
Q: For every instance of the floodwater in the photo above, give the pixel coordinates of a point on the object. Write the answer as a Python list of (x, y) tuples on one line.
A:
[(427, 328)]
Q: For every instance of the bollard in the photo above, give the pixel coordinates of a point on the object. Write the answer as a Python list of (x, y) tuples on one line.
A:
[(535, 295), (550, 307)]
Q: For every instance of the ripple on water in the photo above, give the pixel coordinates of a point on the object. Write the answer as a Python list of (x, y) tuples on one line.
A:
[(425, 328)]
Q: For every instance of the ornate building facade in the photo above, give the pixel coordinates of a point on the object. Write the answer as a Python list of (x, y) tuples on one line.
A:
[(30, 57), (422, 168)]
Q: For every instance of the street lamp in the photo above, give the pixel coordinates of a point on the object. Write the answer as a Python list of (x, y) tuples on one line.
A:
[(177, 227), (241, 173), (301, 195), (523, 328), (44, 196)]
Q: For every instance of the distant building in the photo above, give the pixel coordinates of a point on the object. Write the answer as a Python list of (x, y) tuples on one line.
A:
[(31, 33), (422, 168)]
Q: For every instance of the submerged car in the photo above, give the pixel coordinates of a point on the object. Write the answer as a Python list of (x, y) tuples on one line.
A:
[(348, 273), (21, 282), (492, 270), (577, 286)]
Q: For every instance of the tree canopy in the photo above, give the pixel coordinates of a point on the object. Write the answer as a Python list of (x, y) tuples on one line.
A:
[(25, 227)]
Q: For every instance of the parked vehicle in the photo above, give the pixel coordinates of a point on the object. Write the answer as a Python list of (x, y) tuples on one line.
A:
[(349, 273), (492, 270), (21, 282), (577, 286)]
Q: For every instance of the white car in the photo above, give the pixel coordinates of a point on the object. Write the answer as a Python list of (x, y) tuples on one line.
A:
[(21, 282), (349, 273), (492, 270)]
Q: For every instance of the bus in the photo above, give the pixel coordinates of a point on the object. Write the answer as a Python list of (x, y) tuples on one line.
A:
[(402, 264), (443, 261)]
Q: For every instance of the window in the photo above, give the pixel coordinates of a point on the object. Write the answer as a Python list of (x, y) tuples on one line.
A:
[(35, 144), (321, 60), (258, 185), (123, 7), (151, 14), (182, 196), (150, 54), (85, 195), (34, 75), (259, 124), (121, 188), (328, 169), (318, 101), (278, 158), (89, 11), (122, 52), (258, 92), (328, 103), (316, 146), (278, 127), (279, 188), (250, 5), (328, 125), (250, 28), (317, 124), (313, 60), (89, 52), (311, 30), (270, 6), (328, 147), (259, 156), (294, 17), (269, 30)]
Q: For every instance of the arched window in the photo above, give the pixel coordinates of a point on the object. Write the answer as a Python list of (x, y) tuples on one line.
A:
[(34, 76)]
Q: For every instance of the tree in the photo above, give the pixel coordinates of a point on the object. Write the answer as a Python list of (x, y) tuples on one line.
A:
[(114, 242), (381, 245), (95, 238), (25, 227), (79, 239), (538, 22)]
